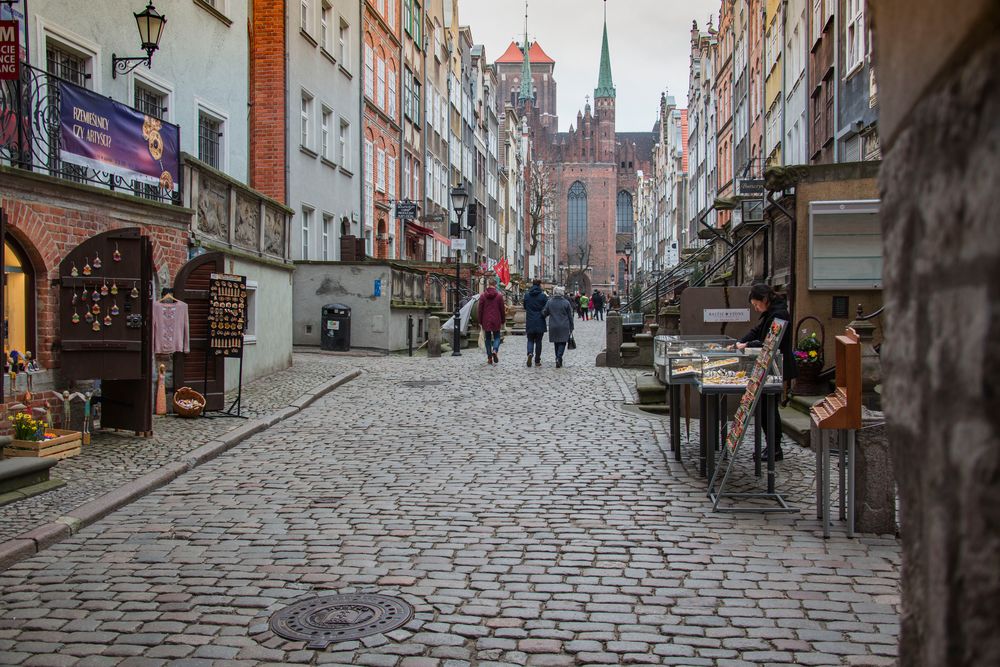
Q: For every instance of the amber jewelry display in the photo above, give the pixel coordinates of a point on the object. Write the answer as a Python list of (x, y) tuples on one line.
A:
[(97, 261), (116, 255), (86, 267), (104, 288), (135, 292), (114, 287)]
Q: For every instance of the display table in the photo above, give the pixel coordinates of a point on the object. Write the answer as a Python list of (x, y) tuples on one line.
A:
[(714, 405)]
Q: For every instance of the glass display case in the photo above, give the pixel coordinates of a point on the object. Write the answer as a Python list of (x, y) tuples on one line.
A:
[(677, 358), (736, 369)]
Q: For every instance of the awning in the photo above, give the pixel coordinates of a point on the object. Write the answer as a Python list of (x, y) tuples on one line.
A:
[(419, 229)]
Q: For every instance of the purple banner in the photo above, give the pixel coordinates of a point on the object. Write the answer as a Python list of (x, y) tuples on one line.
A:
[(105, 135)]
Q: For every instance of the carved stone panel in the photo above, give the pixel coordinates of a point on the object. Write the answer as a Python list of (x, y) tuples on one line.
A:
[(213, 209), (274, 232), (247, 223)]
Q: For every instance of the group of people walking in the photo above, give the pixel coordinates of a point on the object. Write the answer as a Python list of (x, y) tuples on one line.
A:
[(589, 307)]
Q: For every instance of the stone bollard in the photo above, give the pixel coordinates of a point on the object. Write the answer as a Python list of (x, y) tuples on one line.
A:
[(434, 336), (613, 337), (874, 478)]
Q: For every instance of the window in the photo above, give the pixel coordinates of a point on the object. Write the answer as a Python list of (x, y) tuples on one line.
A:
[(577, 218), (415, 188), (855, 34), (305, 120), (392, 93), (307, 215), (344, 44), (64, 62), (148, 101), (18, 298), (416, 25), (325, 29), (406, 176), (250, 335), (408, 16), (380, 83), (369, 180), (625, 215), (845, 245), (210, 139), (345, 144), (369, 72), (391, 15), (380, 173), (416, 102), (304, 11), (392, 178), (325, 142), (327, 225)]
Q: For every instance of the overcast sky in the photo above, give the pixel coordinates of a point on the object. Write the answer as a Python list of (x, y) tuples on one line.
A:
[(649, 42)]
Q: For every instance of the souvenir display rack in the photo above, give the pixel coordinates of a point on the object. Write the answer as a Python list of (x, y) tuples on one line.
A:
[(227, 314)]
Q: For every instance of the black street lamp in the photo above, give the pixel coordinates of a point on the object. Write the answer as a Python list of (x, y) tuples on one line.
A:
[(628, 270), (150, 24), (459, 199), (656, 273)]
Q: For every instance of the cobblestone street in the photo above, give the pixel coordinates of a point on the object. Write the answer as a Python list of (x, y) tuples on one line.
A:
[(527, 515)]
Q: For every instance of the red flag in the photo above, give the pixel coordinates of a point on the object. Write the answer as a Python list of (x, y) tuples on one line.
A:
[(502, 269)]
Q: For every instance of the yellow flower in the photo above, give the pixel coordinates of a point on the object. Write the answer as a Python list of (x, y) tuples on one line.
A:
[(812, 353)]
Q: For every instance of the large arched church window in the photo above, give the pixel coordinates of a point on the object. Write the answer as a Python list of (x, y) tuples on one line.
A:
[(625, 215), (18, 300), (576, 236)]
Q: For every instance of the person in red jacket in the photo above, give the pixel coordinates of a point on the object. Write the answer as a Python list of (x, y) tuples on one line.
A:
[(491, 318)]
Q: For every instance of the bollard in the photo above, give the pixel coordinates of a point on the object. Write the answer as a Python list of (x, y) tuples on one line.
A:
[(613, 336), (434, 336), (409, 335)]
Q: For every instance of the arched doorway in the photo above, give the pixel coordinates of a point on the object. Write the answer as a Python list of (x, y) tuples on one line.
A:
[(578, 281), (18, 299)]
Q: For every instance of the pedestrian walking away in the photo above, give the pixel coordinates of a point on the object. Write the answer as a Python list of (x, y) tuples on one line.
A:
[(560, 313), (584, 306), (534, 320), (598, 299), (615, 303), (771, 306), (491, 318)]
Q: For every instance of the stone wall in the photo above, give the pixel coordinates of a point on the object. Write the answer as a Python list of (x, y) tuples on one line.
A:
[(940, 179)]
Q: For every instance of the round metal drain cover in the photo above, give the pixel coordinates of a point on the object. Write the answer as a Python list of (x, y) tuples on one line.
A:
[(322, 621)]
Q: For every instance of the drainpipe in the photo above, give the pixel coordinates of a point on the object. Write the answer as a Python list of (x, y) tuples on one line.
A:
[(784, 81), (836, 86), (361, 129)]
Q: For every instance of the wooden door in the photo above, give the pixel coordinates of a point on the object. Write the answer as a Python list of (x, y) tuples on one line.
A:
[(199, 369), (117, 350)]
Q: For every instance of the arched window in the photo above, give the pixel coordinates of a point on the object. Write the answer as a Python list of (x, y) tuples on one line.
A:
[(576, 220), (621, 275), (18, 300), (625, 215)]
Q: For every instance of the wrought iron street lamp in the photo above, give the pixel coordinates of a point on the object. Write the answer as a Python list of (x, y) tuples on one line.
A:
[(459, 200), (150, 24), (628, 270)]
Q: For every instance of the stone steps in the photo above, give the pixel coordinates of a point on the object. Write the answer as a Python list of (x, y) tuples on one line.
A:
[(650, 390), (25, 477), (795, 424)]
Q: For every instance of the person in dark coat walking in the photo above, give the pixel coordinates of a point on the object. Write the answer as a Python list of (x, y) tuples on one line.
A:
[(491, 318), (615, 303), (598, 304), (560, 313), (534, 321), (771, 306)]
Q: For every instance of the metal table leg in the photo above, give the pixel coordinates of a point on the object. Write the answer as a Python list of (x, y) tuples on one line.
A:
[(769, 407), (674, 392), (712, 431), (850, 482), (825, 488), (757, 428), (841, 470), (703, 466)]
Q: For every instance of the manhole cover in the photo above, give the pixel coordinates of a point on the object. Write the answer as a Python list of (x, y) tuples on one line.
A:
[(416, 384), (322, 621)]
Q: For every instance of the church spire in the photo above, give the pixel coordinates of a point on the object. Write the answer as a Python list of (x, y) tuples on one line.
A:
[(527, 93), (605, 86)]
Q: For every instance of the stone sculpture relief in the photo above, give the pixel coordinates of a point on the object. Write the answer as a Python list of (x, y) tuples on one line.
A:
[(213, 213), (274, 232), (247, 223)]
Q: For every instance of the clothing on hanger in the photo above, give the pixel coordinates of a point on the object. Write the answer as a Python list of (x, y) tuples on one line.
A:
[(171, 331)]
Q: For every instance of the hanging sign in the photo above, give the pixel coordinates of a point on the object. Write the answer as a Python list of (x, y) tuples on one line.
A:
[(227, 314), (10, 51), (406, 210), (458, 244), (104, 135), (755, 387)]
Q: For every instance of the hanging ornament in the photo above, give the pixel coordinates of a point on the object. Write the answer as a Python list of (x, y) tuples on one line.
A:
[(117, 256), (95, 295), (95, 309), (76, 317), (75, 298), (104, 288), (135, 292), (86, 267), (107, 320), (114, 287), (96, 326), (86, 295), (73, 272), (114, 308), (88, 316), (97, 261)]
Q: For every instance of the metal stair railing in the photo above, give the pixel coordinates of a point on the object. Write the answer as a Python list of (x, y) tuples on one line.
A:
[(668, 282)]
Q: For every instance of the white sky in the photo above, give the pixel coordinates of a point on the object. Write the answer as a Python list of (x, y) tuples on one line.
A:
[(649, 42)]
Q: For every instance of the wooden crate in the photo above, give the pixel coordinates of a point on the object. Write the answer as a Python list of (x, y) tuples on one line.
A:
[(67, 444)]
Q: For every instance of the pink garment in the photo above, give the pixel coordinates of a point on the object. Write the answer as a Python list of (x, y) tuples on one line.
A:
[(170, 327)]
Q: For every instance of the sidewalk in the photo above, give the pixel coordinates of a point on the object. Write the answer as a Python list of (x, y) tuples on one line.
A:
[(114, 460)]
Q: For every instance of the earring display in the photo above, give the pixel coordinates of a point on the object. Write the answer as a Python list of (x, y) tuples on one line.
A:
[(227, 313), (114, 287), (114, 308), (117, 256), (104, 288), (97, 261), (135, 292), (73, 272), (86, 267)]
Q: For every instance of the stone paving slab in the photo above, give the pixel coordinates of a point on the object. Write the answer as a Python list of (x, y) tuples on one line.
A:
[(527, 516)]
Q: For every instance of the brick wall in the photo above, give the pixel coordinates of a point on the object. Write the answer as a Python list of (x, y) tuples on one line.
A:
[(268, 152)]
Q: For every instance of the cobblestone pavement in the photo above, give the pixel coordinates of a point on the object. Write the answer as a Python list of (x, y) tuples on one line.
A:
[(113, 459), (527, 516)]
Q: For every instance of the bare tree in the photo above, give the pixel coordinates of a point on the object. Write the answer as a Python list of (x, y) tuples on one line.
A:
[(541, 196)]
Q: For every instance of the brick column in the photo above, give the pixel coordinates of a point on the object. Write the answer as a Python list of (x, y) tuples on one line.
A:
[(268, 149)]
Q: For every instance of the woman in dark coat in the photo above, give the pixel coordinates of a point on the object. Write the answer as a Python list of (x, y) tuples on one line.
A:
[(534, 321), (771, 306), (560, 313)]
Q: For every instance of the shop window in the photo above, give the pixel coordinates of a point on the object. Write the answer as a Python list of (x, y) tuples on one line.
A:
[(250, 336), (18, 301)]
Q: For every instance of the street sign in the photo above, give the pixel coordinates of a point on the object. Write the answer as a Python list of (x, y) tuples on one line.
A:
[(406, 210), (751, 187), (458, 244)]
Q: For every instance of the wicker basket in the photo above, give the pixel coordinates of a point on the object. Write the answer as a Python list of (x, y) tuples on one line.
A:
[(188, 394)]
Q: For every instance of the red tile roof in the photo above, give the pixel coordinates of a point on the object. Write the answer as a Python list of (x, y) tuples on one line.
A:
[(513, 54)]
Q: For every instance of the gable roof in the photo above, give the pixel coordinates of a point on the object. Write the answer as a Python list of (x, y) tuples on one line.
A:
[(514, 55)]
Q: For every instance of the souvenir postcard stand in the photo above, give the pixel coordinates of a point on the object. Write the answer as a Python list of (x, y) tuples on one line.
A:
[(762, 375), (227, 322), (841, 412)]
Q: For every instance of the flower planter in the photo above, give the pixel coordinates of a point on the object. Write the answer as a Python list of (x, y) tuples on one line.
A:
[(66, 444), (808, 383)]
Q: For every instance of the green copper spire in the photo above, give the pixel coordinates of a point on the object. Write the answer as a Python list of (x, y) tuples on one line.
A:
[(526, 93), (605, 86)]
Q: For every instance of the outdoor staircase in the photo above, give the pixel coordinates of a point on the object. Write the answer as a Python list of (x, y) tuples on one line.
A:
[(795, 420)]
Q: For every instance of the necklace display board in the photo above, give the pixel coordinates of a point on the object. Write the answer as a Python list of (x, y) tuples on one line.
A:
[(105, 327), (227, 314), (758, 380)]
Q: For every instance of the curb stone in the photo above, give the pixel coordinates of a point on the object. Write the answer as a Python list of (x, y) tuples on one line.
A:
[(43, 536)]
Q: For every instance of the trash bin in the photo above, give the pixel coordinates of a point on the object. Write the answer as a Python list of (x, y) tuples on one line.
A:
[(336, 328)]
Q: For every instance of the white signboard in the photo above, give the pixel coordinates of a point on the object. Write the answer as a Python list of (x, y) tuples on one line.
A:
[(726, 315), (458, 244)]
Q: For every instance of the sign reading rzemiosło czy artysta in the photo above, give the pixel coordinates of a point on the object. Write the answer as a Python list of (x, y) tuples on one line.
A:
[(107, 136)]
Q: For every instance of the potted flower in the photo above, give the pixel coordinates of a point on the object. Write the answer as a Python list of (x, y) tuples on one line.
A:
[(33, 438), (808, 355)]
